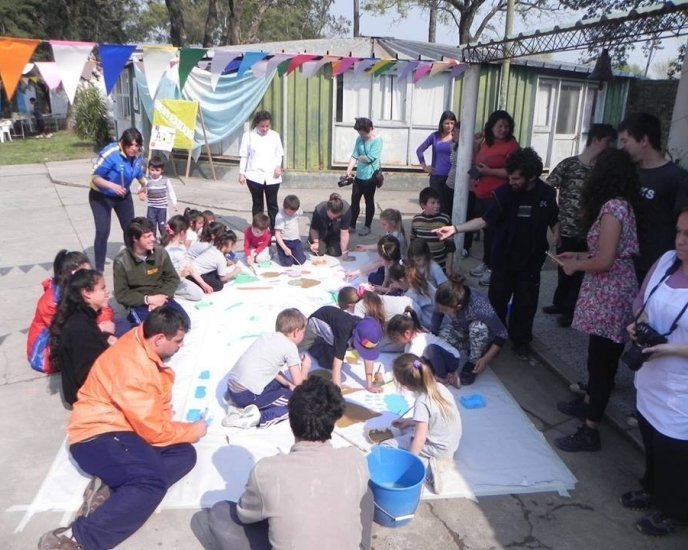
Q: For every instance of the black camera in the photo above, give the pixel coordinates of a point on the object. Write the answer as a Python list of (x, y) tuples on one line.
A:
[(345, 180), (645, 337)]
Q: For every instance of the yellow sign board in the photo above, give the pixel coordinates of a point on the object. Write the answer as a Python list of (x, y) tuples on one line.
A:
[(180, 115)]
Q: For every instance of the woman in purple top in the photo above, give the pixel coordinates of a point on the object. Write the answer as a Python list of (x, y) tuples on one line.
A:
[(441, 144)]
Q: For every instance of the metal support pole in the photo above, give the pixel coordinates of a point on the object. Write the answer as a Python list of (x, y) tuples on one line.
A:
[(506, 64), (464, 159)]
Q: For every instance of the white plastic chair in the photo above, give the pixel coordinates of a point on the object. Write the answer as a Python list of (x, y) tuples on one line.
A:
[(5, 130)]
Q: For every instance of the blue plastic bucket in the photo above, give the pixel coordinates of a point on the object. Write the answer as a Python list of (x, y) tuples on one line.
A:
[(396, 479)]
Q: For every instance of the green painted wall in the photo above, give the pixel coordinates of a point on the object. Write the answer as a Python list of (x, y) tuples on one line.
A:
[(307, 137), (519, 98), (309, 102)]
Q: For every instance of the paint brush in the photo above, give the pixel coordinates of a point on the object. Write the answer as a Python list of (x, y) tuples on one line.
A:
[(402, 415), (345, 438), (253, 269)]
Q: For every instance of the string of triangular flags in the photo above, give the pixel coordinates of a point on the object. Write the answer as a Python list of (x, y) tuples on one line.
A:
[(74, 59)]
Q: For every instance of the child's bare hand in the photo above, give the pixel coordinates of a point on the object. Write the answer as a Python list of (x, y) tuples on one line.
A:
[(207, 288), (351, 275), (360, 248), (373, 388), (142, 195)]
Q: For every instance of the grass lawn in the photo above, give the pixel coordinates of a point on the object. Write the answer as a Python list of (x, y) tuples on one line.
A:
[(63, 145)]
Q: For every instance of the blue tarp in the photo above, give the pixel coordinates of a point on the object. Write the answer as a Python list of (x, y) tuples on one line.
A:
[(224, 110)]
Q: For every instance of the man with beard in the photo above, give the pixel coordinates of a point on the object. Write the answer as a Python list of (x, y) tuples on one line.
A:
[(521, 213), (121, 432)]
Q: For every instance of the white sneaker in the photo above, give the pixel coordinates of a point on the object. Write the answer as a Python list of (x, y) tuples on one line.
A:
[(478, 271), (245, 418), (485, 279)]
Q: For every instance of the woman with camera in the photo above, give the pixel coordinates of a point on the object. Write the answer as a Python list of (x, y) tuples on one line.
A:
[(366, 159), (610, 200), (661, 382)]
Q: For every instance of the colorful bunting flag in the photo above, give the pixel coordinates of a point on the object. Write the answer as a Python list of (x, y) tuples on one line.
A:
[(249, 60), (407, 69), (15, 53), (188, 58), (362, 65), (423, 68), (309, 68), (70, 57), (50, 73), (343, 65), (382, 66), (221, 59), (113, 58), (276, 60), (299, 60), (439, 67), (156, 60)]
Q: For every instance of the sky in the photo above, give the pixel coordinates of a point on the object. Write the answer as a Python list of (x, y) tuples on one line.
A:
[(415, 27)]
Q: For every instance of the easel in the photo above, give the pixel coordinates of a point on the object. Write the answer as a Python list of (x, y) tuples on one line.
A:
[(188, 151)]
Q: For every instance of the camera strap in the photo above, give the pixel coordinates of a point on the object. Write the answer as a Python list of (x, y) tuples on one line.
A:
[(669, 272)]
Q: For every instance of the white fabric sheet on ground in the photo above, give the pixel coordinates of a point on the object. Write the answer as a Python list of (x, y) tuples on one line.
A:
[(501, 451)]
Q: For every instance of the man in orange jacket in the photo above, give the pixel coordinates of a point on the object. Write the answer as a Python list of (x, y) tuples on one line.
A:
[(121, 432)]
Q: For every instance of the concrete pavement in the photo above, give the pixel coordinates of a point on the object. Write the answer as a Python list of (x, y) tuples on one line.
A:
[(44, 208)]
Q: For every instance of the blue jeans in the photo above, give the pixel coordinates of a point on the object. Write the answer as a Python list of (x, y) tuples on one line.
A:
[(157, 216), (272, 402), (441, 360), (296, 247), (138, 314), (102, 207), (138, 475)]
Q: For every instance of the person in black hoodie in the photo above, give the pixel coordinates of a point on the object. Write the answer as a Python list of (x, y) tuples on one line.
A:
[(76, 340)]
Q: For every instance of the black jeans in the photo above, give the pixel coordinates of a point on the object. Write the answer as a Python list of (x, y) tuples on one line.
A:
[(568, 286), (102, 207), (470, 214), (522, 287), (439, 184), (270, 191), (365, 189), (603, 361), (666, 475)]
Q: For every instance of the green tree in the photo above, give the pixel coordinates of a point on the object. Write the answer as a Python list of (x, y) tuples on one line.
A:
[(472, 18), (19, 18), (214, 22)]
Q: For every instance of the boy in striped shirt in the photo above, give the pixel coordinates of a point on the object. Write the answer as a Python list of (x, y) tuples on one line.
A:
[(423, 224), (159, 192)]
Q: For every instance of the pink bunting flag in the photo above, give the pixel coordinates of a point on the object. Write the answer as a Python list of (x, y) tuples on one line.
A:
[(221, 58), (70, 58), (49, 73), (423, 69)]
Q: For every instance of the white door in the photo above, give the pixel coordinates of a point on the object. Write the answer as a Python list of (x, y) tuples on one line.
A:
[(567, 128)]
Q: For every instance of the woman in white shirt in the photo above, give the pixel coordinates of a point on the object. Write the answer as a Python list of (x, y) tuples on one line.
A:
[(662, 384), (261, 165)]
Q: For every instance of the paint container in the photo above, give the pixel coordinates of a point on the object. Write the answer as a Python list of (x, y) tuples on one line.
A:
[(396, 479)]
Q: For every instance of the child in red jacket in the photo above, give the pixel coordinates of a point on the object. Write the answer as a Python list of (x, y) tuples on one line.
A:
[(37, 345)]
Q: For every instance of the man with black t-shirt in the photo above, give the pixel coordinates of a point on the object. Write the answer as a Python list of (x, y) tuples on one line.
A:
[(520, 215), (663, 188)]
